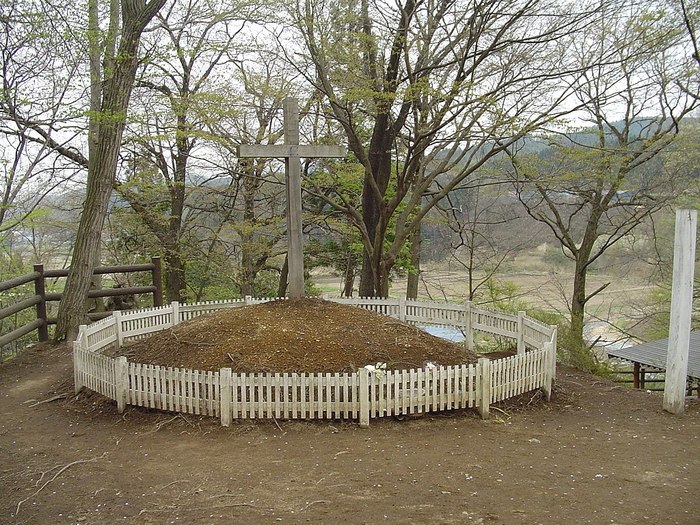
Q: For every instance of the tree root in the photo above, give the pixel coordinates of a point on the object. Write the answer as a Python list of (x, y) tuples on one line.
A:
[(61, 471)]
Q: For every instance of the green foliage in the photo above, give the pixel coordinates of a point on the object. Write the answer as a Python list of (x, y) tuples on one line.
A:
[(571, 350), (502, 295)]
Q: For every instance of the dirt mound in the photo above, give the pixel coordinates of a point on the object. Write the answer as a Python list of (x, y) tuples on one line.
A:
[(304, 335)]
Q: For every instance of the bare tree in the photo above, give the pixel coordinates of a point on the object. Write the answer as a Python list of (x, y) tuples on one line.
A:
[(178, 96), (482, 222), (601, 183), (107, 127), (422, 89), (39, 68)]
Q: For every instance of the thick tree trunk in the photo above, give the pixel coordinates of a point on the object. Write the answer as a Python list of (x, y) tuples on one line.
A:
[(175, 283), (367, 288), (71, 312), (101, 172), (578, 301), (251, 185), (175, 277), (349, 275), (414, 274), (248, 269), (284, 275)]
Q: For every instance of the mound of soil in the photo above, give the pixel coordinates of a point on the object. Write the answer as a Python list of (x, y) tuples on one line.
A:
[(303, 335)]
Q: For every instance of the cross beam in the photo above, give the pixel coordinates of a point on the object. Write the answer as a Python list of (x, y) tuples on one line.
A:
[(291, 152)]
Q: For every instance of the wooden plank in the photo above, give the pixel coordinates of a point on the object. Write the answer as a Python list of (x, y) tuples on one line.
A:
[(269, 380), (395, 393), (286, 150), (353, 397), (295, 404), (278, 386), (336, 411), (405, 391), (344, 396), (243, 400), (225, 382), (364, 401), (413, 389), (310, 396), (286, 397), (235, 395)]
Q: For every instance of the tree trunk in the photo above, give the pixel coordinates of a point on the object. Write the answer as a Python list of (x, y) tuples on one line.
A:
[(349, 276), (578, 301), (372, 281), (175, 283), (101, 172), (251, 186), (414, 274), (71, 312), (284, 274), (247, 269), (175, 278)]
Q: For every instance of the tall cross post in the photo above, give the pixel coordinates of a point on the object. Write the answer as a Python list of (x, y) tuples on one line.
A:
[(292, 152)]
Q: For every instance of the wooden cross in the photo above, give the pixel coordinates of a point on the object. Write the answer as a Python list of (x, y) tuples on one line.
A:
[(291, 152)]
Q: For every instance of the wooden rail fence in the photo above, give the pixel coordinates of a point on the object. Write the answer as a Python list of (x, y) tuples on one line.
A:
[(41, 297), (360, 395)]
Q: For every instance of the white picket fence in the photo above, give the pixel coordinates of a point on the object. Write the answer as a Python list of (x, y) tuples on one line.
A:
[(361, 395)]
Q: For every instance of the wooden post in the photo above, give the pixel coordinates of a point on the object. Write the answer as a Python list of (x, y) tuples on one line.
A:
[(468, 334), (82, 335), (484, 370), (121, 377), (295, 237), (117, 317), (521, 333), (175, 313), (225, 396), (635, 375), (402, 309), (681, 309), (555, 343), (77, 366), (550, 356), (157, 278), (40, 290), (364, 397)]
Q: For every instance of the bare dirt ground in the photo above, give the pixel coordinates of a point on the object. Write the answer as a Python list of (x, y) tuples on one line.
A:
[(598, 454)]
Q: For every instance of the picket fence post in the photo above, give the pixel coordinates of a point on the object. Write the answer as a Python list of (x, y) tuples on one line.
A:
[(484, 369), (225, 396), (468, 334), (364, 397), (82, 335), (554, 349), (77, 365), (121, 377), (550, 355), (117, 317), (176, 312), (402, 309), (521, 332)]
